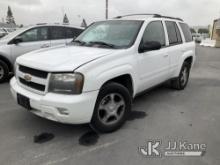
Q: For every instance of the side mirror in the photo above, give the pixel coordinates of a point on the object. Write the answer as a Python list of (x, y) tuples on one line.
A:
[(149, 46), (17, 40)]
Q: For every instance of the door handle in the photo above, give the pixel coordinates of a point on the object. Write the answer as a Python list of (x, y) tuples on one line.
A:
[(45, 46), (166, 55)]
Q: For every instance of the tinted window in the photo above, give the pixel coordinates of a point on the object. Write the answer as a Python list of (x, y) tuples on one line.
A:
[(172, 32), (73, 32), (36, 34), (179, 38), (57, 33), (186, 31), (154, 32)]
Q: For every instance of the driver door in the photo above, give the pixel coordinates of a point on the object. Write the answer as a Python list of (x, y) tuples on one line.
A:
[(33, 39), (153, 65)]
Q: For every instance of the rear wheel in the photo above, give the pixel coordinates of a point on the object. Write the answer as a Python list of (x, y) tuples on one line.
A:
[(112, 108), (4, 71), (181, 82)]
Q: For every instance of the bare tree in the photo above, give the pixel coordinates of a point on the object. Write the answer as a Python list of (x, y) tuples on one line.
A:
[(65, 19), (10, 18)]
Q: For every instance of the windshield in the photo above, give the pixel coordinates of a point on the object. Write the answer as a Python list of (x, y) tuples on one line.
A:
[(115, 34), (15, 33)]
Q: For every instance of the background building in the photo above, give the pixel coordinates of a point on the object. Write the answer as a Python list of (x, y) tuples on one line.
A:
[(216, 32)]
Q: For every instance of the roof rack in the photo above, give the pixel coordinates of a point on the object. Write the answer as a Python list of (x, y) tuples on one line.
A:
[(148, 14), (161, 16), (41, 24)]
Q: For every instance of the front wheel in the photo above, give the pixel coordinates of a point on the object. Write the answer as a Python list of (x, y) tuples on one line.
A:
[(112, 108), (182, 80)]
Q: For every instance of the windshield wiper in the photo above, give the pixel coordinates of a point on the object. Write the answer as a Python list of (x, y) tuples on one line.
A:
[(79, 42), (102, 43)]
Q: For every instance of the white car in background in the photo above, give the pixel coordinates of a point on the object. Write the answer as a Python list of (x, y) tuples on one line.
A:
[(2, 32), (31, 38)]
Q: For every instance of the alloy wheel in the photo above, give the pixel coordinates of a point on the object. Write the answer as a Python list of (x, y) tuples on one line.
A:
[(111, 108)]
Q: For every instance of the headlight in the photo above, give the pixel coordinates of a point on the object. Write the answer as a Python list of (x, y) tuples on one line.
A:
[(15, 69), (66, 83)]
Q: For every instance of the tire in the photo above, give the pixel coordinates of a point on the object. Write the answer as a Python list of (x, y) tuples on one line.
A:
[(181, 81), (112, 108), (4, 71)]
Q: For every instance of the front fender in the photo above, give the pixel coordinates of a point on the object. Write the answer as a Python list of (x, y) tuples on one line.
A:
[(94, 81)]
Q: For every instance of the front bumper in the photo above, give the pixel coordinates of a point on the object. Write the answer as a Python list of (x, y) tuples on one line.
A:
[(71, 109)]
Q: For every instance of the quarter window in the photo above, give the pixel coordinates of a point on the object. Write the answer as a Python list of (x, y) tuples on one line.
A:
[(154, 32), (186, 31), (73, 32)]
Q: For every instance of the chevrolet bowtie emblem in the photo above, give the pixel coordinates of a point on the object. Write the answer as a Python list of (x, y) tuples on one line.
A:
[(27, 77)]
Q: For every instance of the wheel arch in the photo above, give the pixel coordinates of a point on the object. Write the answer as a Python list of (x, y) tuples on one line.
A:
[(190, 57), (125, 80), (8, 63)]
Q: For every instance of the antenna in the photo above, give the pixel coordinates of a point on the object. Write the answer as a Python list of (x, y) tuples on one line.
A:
[(106, 9)]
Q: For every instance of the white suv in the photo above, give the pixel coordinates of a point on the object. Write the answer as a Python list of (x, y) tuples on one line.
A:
[(95, 78), (32, 38)]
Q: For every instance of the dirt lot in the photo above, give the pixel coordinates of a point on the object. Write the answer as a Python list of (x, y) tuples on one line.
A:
[(192, 115)]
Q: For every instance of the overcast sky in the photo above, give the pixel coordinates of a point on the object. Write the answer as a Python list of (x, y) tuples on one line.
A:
[(194, 12)]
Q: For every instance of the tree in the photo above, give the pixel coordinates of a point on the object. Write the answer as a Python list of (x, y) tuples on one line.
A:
[(192, 30), (84, 24), (202, 31), (65, 19), (10, 19)]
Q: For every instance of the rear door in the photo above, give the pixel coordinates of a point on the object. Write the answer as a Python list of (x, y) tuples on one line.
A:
[(153, 65), (32, 39), (175, 48), (57, 35)]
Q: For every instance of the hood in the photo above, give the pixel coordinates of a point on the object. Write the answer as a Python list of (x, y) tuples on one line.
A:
[(62, 58), (3, 42)]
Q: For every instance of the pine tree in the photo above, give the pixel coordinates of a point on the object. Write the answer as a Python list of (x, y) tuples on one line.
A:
[(10, 18), (84, 24), (65, 19)]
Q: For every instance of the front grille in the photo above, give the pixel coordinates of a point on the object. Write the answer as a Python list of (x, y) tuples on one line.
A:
[(38, 79), (32, 85), (34, 72)]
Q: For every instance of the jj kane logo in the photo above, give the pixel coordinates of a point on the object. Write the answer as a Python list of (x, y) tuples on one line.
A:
[(154, 148)]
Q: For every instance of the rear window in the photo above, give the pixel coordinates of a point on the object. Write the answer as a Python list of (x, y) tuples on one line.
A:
[(186, 31), (73, 32), (57, 33)]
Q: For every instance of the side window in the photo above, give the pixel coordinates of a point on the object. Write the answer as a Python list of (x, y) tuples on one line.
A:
[(72, 32), (173, 33), (154, 32), (57, 33), (179, 38), (186, 31), (36, 34)]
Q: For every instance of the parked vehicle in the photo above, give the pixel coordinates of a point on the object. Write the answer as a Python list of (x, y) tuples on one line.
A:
[(197, 37), (3, 33), (95, 79), (28, 39), (10, 30)]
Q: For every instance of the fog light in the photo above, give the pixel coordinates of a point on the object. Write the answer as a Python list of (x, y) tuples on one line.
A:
[(63, 111)]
